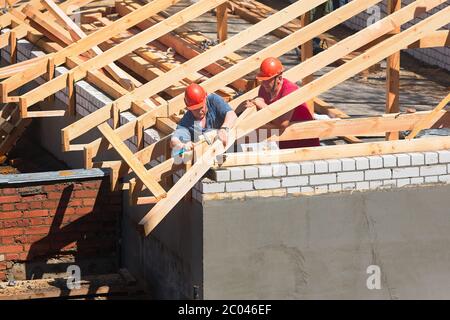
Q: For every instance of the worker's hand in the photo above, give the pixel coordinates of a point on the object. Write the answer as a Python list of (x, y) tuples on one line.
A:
[(259, 103), (248, 104), (222, 134), (188, 146)]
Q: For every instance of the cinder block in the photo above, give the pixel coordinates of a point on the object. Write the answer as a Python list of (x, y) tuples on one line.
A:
[(444, 178), (402, 182), (350, 176), (390, 182), (403, 159), (321, 189), (267, 183), (405, 172), (444, 156), (307, 167), (349, 186), (362, 163), (375, 184), (294, 181), (293, 190), (348, 164), (239, 186), (431, 158), (418, 180), (433, 170), (364, 185), (293, 169), (209, 186), (378, 174), (265, 171), (335, 187), (389, 160), (250, 172), (431, 179), (221, 175), (334, 165), (375, 162), (307, 189), (319, 179), (320, 166), (417, 158), (236, 173), (279, 170)]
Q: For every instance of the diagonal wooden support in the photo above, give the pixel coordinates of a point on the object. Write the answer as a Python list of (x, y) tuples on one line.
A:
[(132, 161), (430, 119)]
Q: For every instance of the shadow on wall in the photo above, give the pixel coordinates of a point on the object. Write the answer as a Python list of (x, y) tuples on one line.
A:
[(87, 239)]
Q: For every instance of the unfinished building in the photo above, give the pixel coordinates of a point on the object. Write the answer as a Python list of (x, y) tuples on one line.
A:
[(99, 86)]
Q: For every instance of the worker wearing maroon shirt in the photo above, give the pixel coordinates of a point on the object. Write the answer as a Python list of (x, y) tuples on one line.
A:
[(273, 88)]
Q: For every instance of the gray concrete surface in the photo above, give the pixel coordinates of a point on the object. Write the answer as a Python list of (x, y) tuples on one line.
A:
[(319, 247)]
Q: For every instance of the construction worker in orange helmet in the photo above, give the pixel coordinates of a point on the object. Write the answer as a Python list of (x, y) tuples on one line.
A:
[(205, 112), (274, 87)]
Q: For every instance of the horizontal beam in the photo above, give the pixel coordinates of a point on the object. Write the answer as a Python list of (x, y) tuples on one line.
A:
[(334, 152)]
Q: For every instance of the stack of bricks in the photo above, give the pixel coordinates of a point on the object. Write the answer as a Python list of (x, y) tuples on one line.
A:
[(42, 220), (323, 176), (433, 56)]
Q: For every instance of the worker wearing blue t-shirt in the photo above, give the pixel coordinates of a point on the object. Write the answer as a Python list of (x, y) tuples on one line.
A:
[(205, 112)]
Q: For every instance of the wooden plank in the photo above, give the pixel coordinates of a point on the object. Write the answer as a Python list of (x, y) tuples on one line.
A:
[(393, 75), (222, 22), (430, 119), (334, 152), (122, 49), (13, 47), (332, 78), (360, 126), (87, 43), (132, 161)]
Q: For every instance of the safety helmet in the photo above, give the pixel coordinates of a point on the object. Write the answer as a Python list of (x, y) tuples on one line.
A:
[(270, 67), (194, 97)]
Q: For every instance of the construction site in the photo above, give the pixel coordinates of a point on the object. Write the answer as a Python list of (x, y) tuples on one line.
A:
[(97, 203)]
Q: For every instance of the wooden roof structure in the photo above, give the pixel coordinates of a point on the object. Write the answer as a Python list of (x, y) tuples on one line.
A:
[(93, 57)]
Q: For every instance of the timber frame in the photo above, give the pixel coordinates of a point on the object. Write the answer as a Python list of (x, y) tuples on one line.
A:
[(94, 57)]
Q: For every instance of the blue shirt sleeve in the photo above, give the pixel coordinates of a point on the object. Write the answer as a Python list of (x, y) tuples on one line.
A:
[(221, 108), (182, 132)]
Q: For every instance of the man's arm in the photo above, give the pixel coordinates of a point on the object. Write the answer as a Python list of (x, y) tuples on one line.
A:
[(282, 121)]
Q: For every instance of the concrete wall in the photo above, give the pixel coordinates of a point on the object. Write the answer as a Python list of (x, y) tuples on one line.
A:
[(169, 260), (319, 247)]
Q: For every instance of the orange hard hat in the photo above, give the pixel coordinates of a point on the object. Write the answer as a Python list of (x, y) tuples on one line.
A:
[(270, 67), (194, 97)]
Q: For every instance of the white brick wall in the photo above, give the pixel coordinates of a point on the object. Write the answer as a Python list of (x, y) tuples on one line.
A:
[(337, 175)]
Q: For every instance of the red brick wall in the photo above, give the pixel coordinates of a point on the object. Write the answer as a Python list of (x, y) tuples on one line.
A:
[(43, 220)]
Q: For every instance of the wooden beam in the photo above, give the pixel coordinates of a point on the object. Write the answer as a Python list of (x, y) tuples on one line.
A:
[(393, 75), (360, 126), (334, 152), (132, 161), (222, 22), (430, 119)]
